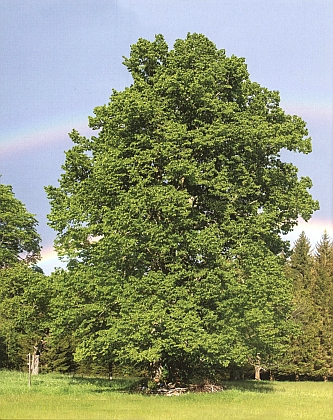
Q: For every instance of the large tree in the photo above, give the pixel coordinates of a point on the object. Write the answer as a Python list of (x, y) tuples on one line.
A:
[(172, 213)]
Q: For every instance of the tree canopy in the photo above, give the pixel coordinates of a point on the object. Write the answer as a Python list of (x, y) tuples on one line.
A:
[(22, 287), (24, 297), (172, 214), (19, 239)]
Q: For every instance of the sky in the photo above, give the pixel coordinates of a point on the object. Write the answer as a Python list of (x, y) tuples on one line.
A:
[(59, 59)]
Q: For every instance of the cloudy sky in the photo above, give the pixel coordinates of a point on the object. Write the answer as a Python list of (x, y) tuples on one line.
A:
[(60, 58)]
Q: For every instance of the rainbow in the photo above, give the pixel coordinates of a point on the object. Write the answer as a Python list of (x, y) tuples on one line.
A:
[(49, 260), (47, 133), (20, 141)]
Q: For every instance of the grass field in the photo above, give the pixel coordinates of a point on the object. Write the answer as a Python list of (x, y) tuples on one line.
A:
[(64, 397)]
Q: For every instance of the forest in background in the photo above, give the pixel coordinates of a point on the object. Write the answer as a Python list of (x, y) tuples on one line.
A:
[(29, 309)]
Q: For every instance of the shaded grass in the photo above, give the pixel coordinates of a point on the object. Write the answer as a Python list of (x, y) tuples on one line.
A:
[(64, 397)]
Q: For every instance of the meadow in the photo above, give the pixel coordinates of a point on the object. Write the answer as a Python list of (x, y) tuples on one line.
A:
[(54, 396)]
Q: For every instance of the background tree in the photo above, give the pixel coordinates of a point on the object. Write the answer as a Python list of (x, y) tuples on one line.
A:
[(19, 239), (24, 297), (78, 309), (310, 350), (323, 301), (301, 354), (169, 211), (22, 285)]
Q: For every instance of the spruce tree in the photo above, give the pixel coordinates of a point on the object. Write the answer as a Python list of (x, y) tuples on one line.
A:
[(323, 301), (301, 355)]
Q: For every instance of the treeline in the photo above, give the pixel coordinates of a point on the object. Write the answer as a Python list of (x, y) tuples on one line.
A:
[(37, 314), (310, 349)]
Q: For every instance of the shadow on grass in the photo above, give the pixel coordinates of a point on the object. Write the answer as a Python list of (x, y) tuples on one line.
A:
[(105, 385), (250, 386), (134, 385)]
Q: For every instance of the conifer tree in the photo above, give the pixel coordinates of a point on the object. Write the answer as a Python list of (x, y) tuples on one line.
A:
[(323, 301), (301, 355)]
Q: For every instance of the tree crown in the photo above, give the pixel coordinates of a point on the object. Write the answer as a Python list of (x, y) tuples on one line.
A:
[(19, 239)]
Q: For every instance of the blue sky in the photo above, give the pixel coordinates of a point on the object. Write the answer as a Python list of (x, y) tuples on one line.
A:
[(61, 58)]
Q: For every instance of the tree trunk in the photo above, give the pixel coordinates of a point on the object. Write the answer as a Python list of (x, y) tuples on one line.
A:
[(35, 362), (257, 370), (157, 373), (110, 371)]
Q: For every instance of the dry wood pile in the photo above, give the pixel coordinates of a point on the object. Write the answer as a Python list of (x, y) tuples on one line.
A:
[(206, 388), (172, 391), (176, 391)]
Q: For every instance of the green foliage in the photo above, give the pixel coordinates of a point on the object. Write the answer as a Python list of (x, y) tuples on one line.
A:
[(58, 356), (172, 215), (310, 349), (24, 291), (323, 302), (3, 352), (301, 354), (18, 237), (24, 298)]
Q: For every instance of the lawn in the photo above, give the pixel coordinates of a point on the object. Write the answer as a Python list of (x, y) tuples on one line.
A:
[(64, 397)]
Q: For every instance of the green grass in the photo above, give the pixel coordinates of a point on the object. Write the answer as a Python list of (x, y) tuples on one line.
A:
[(63, 397)]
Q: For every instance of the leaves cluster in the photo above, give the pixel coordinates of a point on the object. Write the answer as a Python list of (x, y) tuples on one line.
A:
[(24, 293), (19, 239)]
